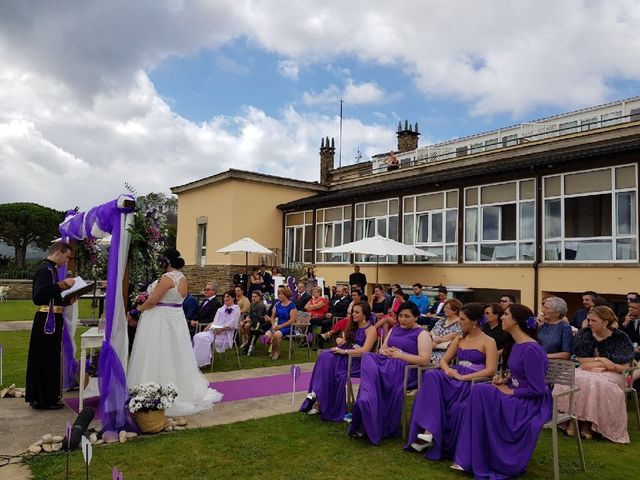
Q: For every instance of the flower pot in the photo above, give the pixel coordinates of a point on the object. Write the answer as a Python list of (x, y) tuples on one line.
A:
[(152, 421)]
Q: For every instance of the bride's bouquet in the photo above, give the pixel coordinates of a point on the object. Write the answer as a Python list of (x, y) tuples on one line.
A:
[(151, 396)]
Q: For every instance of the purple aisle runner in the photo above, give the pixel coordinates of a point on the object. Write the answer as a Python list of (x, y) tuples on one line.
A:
[(234, 390)]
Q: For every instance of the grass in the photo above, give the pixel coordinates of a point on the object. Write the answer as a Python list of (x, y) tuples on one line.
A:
[(14, 310), (299, 446), (16, 348)]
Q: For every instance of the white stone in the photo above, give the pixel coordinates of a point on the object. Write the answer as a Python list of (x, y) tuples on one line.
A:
[(131, 434), (35, 449), (112, 440), (56, 447), (168, 429), (47, 447), (181, 422), (93, 438), (122, 436), (39, 442), (99, 441), (57, 439), (18, 394), (47, 438), (178, 427)]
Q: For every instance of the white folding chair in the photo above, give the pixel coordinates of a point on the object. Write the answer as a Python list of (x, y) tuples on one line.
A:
[(3, 294), (298, 331), (234, 343), (630, 390)]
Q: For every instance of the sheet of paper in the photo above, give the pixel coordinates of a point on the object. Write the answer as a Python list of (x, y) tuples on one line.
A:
[(79, 285)]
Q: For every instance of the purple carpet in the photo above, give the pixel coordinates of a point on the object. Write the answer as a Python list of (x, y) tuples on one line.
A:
[(234, 390)]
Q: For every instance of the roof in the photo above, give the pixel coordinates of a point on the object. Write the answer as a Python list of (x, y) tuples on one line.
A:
[(562, 150), (233, 173)]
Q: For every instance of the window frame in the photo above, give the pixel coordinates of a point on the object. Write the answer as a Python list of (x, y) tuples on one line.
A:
[(321, 230), (371, 259)]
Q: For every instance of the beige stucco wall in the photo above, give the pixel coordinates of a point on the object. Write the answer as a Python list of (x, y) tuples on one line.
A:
[(607, 281), (234, 209)]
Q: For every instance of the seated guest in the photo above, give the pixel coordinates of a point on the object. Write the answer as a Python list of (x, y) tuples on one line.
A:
[(579, 318), (603, 353), (380, 303), (503, 419), (257, 311), (267, 285), (631, 322), (317, 306), (378, 407), (283, 315), (208, 308), (303, 296), (421, 301), (388, 320), (446, 329), (256, 281), (341, 325), (555, 333), (506, 300), (442, 399), (329, 377), (190, 308), (243, 302), (222, 329), (493, 326), (436, 311)]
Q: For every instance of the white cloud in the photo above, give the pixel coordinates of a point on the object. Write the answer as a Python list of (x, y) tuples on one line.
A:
[(288, 69), (230, 65), (365, 93)]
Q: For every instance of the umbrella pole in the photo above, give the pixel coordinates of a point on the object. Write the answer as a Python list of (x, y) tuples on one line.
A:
[(377, 263)]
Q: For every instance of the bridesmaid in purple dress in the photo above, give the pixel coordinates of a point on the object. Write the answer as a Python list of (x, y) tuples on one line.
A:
[(378, 407), (502, 422), (442, 399), (327, 386)]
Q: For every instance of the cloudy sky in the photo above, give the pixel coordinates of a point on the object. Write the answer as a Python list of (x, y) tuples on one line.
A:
[(159, 93)]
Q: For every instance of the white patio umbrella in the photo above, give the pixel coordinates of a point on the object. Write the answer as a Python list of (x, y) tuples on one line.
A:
[(378, 246), (245, 245)]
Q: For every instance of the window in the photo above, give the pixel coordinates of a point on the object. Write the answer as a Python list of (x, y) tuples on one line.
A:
[(509, 140), (500, 222), (589, 124), (591, 215), (477, 147), (298, 238), (612, 118), (377, 218), (430, 222), (201, 245), (333, 228), (491, 144), (568, 127)]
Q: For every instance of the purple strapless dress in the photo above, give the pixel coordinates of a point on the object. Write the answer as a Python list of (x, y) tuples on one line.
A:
[(329, 378), (499, 432), (379, 404), (441, 404)]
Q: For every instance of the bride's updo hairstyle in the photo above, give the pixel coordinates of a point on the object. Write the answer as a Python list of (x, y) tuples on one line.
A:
[(171, 257)]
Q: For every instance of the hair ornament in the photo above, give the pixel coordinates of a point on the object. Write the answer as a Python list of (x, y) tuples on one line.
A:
[(532, 322)]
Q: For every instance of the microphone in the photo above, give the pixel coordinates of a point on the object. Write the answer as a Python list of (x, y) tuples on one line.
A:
[(78, 429)]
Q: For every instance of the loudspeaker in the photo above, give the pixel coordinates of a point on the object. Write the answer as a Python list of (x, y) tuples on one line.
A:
[(80, 426)]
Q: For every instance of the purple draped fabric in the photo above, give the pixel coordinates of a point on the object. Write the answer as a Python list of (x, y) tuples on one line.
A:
[(69, 363), (111, 374)]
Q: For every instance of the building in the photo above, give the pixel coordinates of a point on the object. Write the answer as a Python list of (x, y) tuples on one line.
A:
[(548, 206)]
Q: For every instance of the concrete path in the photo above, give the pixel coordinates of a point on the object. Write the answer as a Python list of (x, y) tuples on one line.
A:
[(20, 425), (13, 326)]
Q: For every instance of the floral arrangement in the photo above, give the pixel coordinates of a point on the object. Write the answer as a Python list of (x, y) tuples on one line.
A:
[(151, 396), (91, 366)]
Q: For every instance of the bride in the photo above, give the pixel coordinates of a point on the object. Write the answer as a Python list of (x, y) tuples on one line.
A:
[(162, 351)]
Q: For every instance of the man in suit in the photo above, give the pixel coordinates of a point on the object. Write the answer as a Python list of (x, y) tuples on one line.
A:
[(303, 297), (357, 278), (338, 307), (267, 286), (208, 308), (436, 311)]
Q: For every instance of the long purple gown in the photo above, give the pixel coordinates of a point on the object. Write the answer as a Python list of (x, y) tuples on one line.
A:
[(499, 432), (329, 378), (441, 404), (379, 404)]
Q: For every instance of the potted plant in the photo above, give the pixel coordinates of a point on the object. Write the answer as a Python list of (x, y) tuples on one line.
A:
[(147, 403)]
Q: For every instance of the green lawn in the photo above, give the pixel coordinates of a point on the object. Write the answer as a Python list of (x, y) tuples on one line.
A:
[(13, 310), (297, 446)]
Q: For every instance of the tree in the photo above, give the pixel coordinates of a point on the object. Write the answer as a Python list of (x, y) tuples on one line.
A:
[(23, 224)]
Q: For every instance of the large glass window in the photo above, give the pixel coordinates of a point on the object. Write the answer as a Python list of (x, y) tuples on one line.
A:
[(333, 228), (591, 215), (500, 222), (298, 238), (377, 218), (430, 222), (201, 246)]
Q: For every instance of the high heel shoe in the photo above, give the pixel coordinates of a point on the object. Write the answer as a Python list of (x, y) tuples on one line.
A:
[(571, 430)]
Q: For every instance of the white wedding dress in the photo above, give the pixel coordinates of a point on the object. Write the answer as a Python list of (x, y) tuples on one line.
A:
[(162, 353)]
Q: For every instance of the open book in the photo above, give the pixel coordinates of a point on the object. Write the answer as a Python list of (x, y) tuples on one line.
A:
[(79, 288)]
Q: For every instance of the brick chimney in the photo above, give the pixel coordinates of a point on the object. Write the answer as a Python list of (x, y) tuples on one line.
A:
[(327, 155), (407, 137)]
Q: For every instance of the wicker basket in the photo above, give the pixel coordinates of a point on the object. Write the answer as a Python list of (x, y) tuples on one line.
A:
[(152, 421)]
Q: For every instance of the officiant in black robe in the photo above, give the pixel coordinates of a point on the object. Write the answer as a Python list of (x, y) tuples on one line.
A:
[(44, 369)]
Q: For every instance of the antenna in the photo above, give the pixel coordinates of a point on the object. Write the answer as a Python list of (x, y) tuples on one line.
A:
[(358, 154), (340, 146)]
